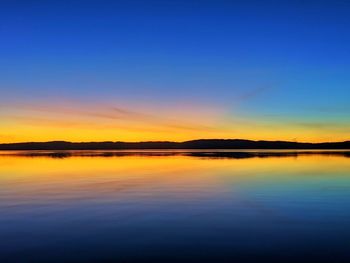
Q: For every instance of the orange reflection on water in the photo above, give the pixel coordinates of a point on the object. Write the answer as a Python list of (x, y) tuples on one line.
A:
[(184, 177)]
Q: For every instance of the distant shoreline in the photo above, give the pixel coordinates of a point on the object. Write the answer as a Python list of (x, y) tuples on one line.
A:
[(220, 144)]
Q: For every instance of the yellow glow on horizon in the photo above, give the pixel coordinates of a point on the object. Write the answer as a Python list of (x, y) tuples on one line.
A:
[(40, 133), (76, 176), (79, 123)]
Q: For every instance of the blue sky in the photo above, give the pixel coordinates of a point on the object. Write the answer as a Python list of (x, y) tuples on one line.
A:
[(273, 60)]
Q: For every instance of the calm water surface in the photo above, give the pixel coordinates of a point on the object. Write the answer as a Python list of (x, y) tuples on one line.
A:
[(174, 207)]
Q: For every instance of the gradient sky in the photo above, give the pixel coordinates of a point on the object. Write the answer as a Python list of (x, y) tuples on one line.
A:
[(174, 70)]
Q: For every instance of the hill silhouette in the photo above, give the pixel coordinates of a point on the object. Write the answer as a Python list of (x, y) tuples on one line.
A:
[(193, 144)]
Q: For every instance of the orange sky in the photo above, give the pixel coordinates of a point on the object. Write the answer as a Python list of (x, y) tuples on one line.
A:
[(77, 121)]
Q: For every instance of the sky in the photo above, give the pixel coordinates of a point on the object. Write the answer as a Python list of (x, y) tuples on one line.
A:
[(174, 70)]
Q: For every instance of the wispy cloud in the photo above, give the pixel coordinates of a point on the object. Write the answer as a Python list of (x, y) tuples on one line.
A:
[(252, 94), (249, 95), (325, 126), (334, 109), (102, 115)]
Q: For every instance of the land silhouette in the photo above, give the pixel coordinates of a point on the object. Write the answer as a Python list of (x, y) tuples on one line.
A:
[(193, 144)]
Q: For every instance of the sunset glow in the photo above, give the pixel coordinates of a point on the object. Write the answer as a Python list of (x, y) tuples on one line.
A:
[(174, 71), (109, 122)]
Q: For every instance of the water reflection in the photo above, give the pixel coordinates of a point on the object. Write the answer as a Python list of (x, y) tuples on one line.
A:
[(231, 154), (182, 206)]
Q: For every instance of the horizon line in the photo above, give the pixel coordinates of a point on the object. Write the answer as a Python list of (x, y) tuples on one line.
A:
[(179, 142)]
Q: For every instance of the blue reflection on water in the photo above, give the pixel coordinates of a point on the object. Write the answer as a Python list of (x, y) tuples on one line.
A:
[(209, 210)]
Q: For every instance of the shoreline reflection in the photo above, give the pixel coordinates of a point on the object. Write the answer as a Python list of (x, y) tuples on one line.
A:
[(208, 154)]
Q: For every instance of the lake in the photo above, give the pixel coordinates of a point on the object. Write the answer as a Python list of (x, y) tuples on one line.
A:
[(175, 206)]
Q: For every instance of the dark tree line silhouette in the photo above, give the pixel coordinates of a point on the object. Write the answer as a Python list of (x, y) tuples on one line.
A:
[(194, 144)]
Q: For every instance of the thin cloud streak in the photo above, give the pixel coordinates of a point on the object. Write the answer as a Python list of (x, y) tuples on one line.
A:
[(250, 95), (103, 113), (75, 124)]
